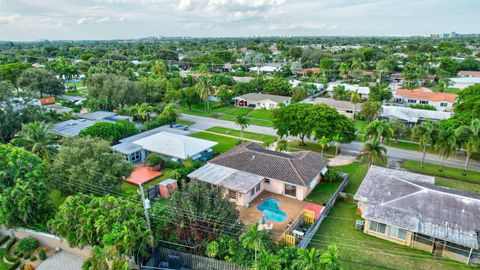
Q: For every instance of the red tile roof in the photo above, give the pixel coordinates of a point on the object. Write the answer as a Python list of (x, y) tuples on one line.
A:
[(420, 94), (306, 70), (469, 73), (142, 175)]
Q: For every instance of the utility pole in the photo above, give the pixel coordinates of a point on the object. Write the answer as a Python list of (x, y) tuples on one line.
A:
[(145, 207)]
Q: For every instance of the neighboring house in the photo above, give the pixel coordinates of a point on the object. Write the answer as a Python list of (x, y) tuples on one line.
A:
[(296, 83), (367, 73), (343, 107), (304, 72), (412, 116), (172, 146), (441, 101), (464, 82), (257, 100), (248, 169), (409, 209), (469, 73), (242, 79), (267, 68), (362, 90)]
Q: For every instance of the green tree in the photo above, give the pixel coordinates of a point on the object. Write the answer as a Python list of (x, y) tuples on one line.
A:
[(412, 73), (159, 69), (449, 65), (468, 105), (282, 145), (380, 93), (171, 113), (205, 89), (330, 258), (243, 122), (267, 261), (355, 98), (37, 138), (299, 94), (469, 138), (339, 92), (446, 144), (378, 130), (344, 70), (109, 131), (41, 82), (425, 135), (370, 110), (308, 259), (106, 258), (373, 151), (382, 69), (324, 143), (189, 97), (253, 239), (225, 95), (87, 162), (278, 86), (11, 72), (326, 65), (142, 111), (117, 89)]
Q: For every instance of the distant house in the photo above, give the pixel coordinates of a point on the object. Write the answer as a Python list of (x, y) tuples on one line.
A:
[(412, 116), (248, 169), (362, 90), (257, 100), (343, 107), (441, 101), (73, 127), (242, 79), (304, 72), (367, 73), (267, 68), (171, 146), (464, 82), (409, 209), (468, 73)]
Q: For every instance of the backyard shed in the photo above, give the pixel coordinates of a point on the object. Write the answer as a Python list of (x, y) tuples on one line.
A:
[(166, 185)]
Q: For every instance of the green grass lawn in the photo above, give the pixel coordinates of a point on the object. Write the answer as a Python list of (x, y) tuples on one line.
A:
[(448, 172), (455, 184), (130, 189), (224, 143), (404, 145), (199, 109), (315, 147), (322, 192), (361, 251), (356, 171), (185, 122), (246, 134), (262, 114)]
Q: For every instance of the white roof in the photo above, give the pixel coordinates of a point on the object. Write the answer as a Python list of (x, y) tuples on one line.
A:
[(472, 80), (362, 90), (174, 145), (413, 115), (264, 69)]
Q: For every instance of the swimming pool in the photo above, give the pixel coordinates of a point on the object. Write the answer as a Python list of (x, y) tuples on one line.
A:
[(271, 210)]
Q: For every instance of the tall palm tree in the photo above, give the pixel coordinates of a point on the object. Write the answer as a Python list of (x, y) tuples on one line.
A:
[(425, 135), (469, 138), (378, 130), (373, 151), (344, 70), (252, 239), (267, 261), (338, 140), (446, 145), (355, 98), (308, 259), (329, 258), (171, 113), (243, 121), (204, 89), (282, 145), (37, 138), (142, 111), (323, 142)]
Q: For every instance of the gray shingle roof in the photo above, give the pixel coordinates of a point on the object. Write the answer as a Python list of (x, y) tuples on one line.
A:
[(413, 202), (255, 97), (298, 168)]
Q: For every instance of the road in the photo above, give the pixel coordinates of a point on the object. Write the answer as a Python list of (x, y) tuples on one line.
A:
[(202, 123)]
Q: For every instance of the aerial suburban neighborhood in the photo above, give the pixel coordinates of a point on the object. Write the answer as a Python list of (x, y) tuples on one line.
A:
[(238, 135)]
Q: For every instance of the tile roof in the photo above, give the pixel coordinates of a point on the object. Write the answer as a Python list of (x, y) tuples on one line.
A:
[(420, 94), (337, 104), (298, 168), (469, 73), (412, 201), (256, 97), (306, 70)]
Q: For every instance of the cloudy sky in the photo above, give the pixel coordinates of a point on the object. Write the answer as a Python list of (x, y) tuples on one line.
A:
[(108, 19)]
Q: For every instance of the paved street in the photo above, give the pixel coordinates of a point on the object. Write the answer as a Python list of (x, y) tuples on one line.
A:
[(202, 123)]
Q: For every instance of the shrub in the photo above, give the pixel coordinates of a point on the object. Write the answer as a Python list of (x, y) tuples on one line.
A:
[(11, 259), (28, 267), (14, 266), (4, 239), (42, 255), (20, 255), (156, 122), (154, 159), (27, 245), (332, 175), (33, 258), (10, 244)]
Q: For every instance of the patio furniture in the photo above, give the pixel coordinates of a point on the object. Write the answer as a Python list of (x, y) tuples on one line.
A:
[(299, 233)]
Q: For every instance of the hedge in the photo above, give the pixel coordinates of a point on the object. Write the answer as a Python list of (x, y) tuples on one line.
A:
[(4, 239), (14, 266)]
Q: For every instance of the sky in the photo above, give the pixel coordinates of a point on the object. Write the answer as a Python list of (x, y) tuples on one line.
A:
[(119, 19)]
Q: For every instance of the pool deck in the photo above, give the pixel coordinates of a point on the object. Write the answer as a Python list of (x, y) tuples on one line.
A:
[(292, 207)]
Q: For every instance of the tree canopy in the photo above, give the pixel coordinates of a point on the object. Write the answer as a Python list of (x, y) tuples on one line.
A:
[(110, 132)]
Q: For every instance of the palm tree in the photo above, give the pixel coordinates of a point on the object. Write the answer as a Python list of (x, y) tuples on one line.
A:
[(446, 144), (329, 258), (337, 139), (344, 70), (282, 145), (469, 138), (308, 259), (171, 113), (425, 134), (323, 142), (142, 111), (378, 130), (373, 151), (37, 138), (355, 98), (252, 239), (243, 121), (267, 261), (204, 89)]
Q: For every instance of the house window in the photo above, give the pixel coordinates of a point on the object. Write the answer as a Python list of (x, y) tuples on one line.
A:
[(136, 156), (290, 190), (232, 194), (377, 227), (443, 104), (412, 101), (257, 188), (252, 191), (349, 111), (424, 102), (396, 232), (267, 181)]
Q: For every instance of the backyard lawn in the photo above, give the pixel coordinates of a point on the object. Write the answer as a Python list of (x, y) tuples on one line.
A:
[(322, 192), (246, 134), (362, 251), (224, 143)]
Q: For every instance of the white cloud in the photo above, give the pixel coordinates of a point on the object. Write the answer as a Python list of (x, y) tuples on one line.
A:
[(99, 20), (9, 19), (306, 26)]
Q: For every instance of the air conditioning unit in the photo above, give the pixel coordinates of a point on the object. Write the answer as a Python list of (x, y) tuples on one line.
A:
[(359, 224)]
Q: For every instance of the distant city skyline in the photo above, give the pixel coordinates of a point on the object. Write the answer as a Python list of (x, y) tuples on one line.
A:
[(129, 19)]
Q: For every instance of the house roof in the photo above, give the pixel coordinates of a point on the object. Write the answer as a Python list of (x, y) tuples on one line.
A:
[(151, 132), (470, 80), (142, 175), (174, 145), (298, 168), (126, 148), (226, 177), (256, 97), (413, 115), (97, 115), (337, 104), (362, 90), (412, 201), (420, 94), (306, 70), (72, 127), (469, 73)]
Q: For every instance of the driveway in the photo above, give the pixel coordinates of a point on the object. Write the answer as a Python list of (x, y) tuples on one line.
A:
[(63, 260)]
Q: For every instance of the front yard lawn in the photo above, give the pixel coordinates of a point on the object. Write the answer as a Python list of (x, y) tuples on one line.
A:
[(448, 172), (356, 171), (224, 143), (261, 114), (456, 184), (315, 147), (405, 145), (246, 134), (185, 122), (361, 251)]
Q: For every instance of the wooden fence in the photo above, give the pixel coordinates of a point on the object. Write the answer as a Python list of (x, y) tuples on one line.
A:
[(164, 258), (314, 228)]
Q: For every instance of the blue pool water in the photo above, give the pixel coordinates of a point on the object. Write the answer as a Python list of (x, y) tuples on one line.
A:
[(271, 210)]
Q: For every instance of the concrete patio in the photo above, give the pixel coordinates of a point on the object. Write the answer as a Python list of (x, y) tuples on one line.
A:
[(292, 207)]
